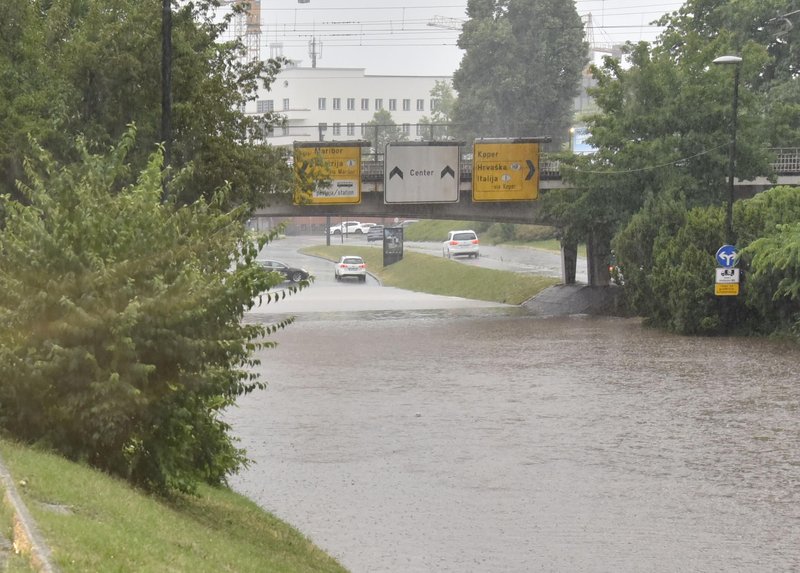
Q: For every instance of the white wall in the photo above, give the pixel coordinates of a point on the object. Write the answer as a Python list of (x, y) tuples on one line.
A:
[(303, 88)]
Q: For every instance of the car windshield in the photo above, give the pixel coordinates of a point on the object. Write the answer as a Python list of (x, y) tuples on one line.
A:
[(463, 236), (352, 260)]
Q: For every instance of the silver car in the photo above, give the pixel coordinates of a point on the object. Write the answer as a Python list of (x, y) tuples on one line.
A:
[(350, 266), (461, 243)]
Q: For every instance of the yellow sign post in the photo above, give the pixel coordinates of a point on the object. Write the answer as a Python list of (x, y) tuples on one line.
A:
[(505, 170), (336, 164), (722, 289)]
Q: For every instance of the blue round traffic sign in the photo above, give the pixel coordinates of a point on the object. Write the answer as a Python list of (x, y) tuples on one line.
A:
[(727, 256)]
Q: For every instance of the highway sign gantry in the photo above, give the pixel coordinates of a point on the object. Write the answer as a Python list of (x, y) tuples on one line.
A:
[(422, 172), (505, 169), (339, 163)]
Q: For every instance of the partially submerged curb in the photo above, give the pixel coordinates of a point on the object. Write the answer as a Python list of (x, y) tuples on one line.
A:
[(27, 539)]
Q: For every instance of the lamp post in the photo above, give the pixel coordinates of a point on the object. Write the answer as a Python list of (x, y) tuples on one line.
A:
[(731, 61)]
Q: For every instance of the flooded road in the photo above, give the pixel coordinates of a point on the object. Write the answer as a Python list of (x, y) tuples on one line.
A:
[(481, 439)]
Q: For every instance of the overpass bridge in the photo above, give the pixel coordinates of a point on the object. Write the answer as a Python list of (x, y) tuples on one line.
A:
[(786, 166)]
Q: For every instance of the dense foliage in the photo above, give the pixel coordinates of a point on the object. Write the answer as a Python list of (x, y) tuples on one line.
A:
[(521, 69), (657, 186), (89, 69), (669, 265), (438, 126), (121, 339)]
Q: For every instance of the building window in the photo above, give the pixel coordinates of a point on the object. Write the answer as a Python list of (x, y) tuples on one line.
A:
[(322, 128), (337, 129), (351, 104), (321, 103), (364, 104), (265, 106), (378, 104), (392, 105), (337, 103), (406, 128), (286, 104), (434, 104), (363, 129), (420, 128), (420, 105), (406, 105), (351, 129)]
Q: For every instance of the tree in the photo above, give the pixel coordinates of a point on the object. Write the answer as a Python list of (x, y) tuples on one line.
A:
[(121, 339), (521, 69), (384, 130), (663, 126), (438, 125), (103, 74)]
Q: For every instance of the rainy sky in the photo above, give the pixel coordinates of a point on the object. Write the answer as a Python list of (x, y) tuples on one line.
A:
[(417, 37)]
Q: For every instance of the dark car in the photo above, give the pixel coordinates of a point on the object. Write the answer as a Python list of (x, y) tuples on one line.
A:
[(293, 274), (375, 233)]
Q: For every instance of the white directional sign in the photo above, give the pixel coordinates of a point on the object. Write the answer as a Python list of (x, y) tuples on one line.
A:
[(418, 172), (727, 283), (727, 276)]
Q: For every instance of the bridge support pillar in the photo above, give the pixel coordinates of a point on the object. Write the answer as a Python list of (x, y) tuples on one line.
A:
[(598, 254), (569, 261)]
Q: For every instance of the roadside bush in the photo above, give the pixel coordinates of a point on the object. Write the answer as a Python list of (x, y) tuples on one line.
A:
[(760, 216), (773, 284), (767, 228), (529, 233), (121, 339), (634, 248), (683, 276), (667, 259)]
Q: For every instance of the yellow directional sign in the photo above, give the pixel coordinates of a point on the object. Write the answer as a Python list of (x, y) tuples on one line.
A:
[(505, 171), (726, 289), (337, 165)]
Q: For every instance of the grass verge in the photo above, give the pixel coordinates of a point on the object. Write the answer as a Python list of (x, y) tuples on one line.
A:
[(426, 273), (434, 230), (92, 522)]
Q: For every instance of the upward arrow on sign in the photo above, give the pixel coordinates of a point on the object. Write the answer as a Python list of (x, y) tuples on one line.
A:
[(448, 170), (396, 171)]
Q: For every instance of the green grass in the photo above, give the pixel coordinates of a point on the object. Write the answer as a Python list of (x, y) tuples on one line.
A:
[(435, 230), (435, 275), (102, 524)]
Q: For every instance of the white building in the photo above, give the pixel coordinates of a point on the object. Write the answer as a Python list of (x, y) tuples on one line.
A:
[(335, 104)]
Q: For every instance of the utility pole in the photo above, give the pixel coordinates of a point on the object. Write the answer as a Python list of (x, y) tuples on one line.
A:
[(312, 51), (166, 87)]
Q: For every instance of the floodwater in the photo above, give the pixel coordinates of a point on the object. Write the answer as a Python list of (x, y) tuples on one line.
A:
[(488, 440)]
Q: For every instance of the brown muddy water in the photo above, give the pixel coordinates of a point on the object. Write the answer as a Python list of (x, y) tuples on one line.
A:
[(491, 441)]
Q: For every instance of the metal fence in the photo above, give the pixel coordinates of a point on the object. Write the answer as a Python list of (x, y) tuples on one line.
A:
[(787, 162)]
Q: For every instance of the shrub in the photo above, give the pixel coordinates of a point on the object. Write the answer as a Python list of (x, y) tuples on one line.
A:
[(121, 339)]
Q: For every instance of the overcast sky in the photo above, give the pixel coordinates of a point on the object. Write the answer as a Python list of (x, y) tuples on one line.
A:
[(414, 37)]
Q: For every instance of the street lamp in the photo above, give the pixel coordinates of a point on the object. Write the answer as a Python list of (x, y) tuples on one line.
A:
[(731, 61)]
